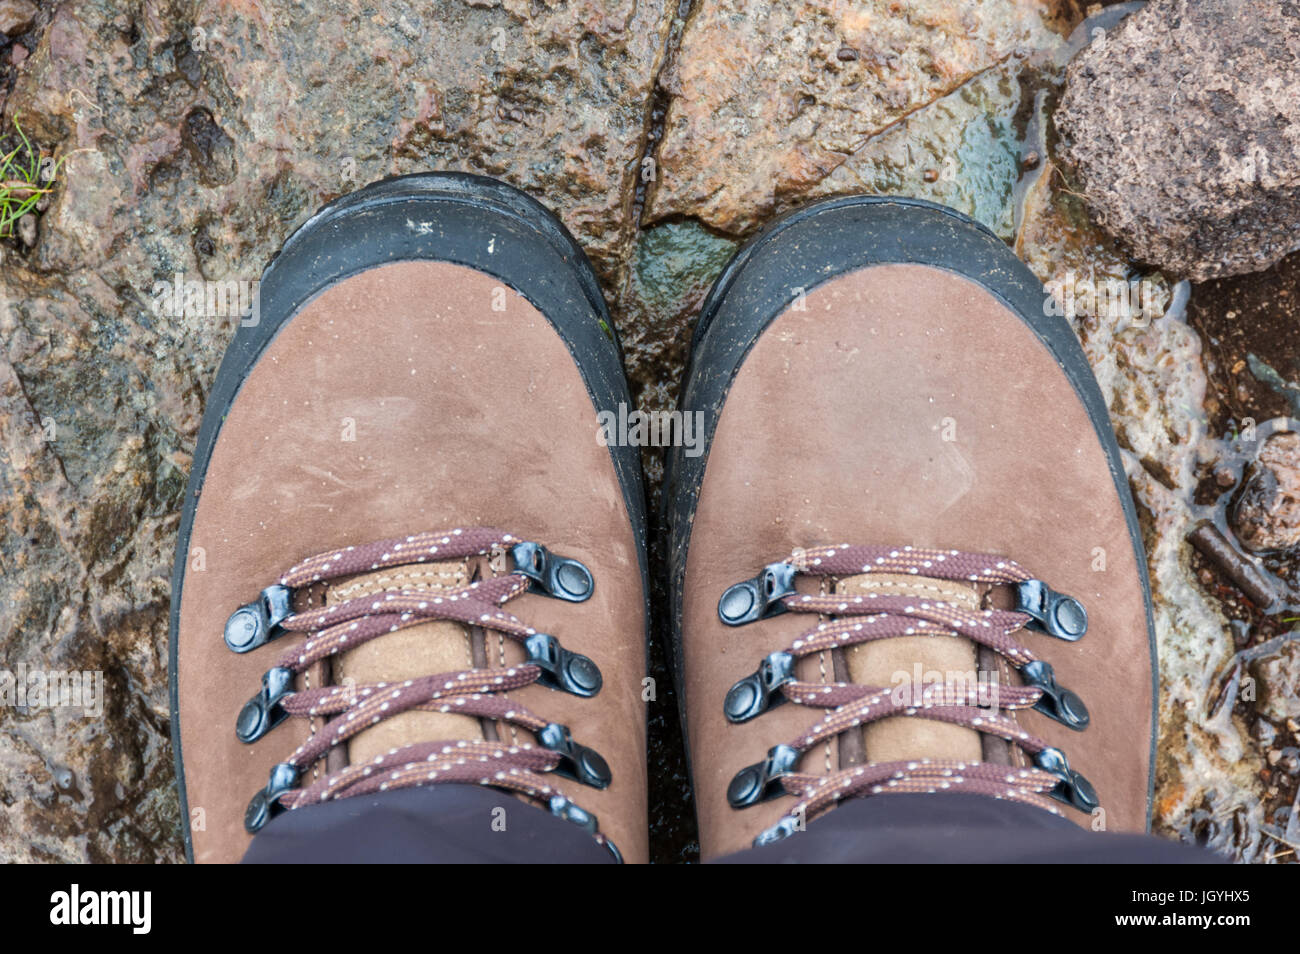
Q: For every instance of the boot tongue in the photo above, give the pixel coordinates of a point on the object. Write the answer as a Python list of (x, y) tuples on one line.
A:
[(888, 662), (420, 650)]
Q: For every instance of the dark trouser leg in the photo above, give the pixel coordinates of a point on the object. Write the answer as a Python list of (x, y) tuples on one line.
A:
[(961, 828), (442, 824)]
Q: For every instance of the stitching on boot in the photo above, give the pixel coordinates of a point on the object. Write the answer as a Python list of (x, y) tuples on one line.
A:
[(827, 586), (315, 766), (918, 589), (421, 580), (306, 678), (498, 569)]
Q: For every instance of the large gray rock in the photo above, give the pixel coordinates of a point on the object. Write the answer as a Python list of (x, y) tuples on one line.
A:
[(1182, 128)]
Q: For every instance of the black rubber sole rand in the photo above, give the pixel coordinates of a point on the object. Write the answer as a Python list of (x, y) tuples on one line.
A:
[(812, 245), (435, 216)]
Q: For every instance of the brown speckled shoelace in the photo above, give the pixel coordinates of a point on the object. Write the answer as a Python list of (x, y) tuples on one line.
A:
[(871, 616), (352, 708)]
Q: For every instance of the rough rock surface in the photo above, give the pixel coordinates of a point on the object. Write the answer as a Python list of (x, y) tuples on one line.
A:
[(1267, 514), (199, 135), (769, 100), (1183, 129), (1280, 676), (16, 16)]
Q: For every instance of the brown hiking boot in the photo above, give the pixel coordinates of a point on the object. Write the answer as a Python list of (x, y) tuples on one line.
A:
[(908, 465), (400, 456)]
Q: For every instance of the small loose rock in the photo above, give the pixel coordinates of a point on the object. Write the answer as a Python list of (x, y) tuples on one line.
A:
[(27, 229), (1279, 683), (1289, 760), (1266, 516)]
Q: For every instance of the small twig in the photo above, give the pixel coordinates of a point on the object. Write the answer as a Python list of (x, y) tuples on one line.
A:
[(1244, 573)]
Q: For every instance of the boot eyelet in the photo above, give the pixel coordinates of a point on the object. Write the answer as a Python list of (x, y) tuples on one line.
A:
[(257, 623), (782, 830), (556, 576), (265, 805), (1057, 702), (1053, 613), (580, 763), (561, 807), (263, 712), (755, 694), (759, 598), (762, 780), (1073, 789), (567, 671)]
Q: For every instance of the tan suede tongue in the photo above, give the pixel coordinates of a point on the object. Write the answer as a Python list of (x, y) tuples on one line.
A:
[(421, 650), (887, 662)]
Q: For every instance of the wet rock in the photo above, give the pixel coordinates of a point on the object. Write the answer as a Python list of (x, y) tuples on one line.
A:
[(16, 16), (211, 150), (961, 150), (1279, 681), (1182, 127), (1266, 514), (198, 136), (766, 104)]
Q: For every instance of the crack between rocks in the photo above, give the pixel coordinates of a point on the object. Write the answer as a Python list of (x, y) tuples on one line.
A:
[(885, 130), (656, 113)]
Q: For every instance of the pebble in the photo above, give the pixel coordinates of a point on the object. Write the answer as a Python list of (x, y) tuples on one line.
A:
[(1289, 760), (1266, 516), (27, 229)]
